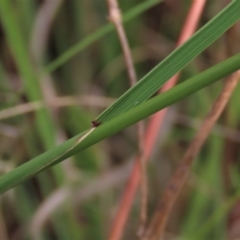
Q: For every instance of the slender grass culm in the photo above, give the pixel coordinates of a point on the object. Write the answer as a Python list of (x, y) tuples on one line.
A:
[(109, 128)]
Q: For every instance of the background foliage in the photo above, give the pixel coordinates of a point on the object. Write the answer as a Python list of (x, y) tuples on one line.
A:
[(77, 199)]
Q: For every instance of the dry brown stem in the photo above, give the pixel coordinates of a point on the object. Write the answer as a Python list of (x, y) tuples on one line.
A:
[(159, 220), (84, 100), (116, 18)]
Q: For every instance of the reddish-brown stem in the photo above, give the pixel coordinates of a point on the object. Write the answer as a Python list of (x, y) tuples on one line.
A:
[(151, 132), (159, 220)]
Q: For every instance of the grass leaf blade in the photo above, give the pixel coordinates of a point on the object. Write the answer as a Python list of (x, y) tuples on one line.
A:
[(179, 58), (140, 112)]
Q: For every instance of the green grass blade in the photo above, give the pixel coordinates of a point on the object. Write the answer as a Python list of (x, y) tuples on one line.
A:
[(148, 85), (131, 14), (28, 74), (217, 216), (117, 124)]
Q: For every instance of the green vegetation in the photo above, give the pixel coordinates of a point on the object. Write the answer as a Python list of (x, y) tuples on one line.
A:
[(81, 43)]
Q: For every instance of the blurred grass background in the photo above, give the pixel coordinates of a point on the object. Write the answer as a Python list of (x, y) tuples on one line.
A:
[(78, 201)]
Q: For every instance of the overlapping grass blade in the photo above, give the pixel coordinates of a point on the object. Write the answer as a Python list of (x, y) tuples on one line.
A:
[(117, 124), (148, 85), (131, 14)]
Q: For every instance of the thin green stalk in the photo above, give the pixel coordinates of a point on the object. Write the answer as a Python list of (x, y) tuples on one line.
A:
[(28, 73), (217, 216), (131, 14)]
